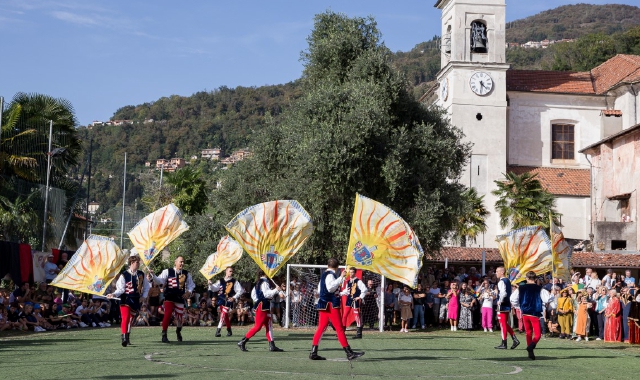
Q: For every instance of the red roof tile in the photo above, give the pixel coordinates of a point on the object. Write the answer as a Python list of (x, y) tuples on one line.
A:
[(459, 255), (559, 181), (621, 68), (550, 81), (611, 112)]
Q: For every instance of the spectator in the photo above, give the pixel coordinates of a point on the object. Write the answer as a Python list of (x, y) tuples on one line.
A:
[(370, 305), (242, 311), (13, 316), (100, 311), (389, 303), (37, 312), (30, 320), (606, 280), (587, 277), (418, 307), (68, 318), (467, 304), (592, 328), (628, 279), (435, 307), (616, 282), (486, 297), (64, 259), (143, 316), (405, 302), (21, 294), (51, 315), (154, 300), (42, 296), (602, 300), (4, 321), (51, 270), (565, 314), (453, 296), (86, 317), (515, 307), (296, 298)]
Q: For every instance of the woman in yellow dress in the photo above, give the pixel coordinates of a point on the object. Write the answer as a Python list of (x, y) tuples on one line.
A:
[(565, 314)]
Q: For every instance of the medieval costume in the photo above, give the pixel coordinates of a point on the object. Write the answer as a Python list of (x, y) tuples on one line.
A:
[(565, 314), (262, 295), (178, 287), (613, 323), (329, 310), (504, 308), (229, 290), (130, 287), (355, 291), (531, 300)]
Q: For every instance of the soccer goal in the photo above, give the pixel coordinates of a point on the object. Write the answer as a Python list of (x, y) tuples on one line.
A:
[(302, 285)]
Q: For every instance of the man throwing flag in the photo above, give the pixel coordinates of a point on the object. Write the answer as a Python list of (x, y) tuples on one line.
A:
[(228, 289), (329, 310), (355, 291), (504, 308), (178, 286), (531, 297)]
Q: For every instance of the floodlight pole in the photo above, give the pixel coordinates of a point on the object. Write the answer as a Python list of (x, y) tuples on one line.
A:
[(124, 192), (46, 188)]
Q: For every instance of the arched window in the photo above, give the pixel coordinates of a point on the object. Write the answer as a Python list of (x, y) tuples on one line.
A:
[(479, 41)]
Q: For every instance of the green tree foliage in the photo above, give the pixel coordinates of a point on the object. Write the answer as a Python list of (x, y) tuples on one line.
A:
[(189, 190), (355, 129), (18, 217), (472, 218), (522, 201)]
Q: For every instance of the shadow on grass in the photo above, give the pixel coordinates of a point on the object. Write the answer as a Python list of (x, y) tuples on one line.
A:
[(146, 376), (551, 358)]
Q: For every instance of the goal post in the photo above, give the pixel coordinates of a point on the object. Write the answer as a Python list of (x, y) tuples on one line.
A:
[(301, 312)]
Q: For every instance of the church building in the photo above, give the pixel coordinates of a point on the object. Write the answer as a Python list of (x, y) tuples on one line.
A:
[(529, 120)]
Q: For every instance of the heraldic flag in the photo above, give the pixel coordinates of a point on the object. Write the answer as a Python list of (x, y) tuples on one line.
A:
[(523, 250), (153, 233), (92, 267), (561, 253), (271, 232), (382, 242), (227, 254)]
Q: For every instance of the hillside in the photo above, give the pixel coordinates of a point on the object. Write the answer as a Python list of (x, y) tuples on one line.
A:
[(179, 126)]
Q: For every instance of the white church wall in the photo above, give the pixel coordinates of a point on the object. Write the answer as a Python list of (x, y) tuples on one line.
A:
[(575, 216), (531, 116)]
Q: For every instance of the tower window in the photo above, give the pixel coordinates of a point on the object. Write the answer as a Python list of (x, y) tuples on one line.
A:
[(562, 142), (479, 39)]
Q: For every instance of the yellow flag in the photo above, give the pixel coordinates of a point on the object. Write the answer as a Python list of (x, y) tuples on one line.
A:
[(271, 232), (153, 233), (561, 252), (227, 254), (382, 242), (92, 267), (523, 250)]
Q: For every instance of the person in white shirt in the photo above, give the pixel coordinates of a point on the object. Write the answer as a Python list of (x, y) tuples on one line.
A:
[(355, 291), (329, 310), (586, 280), (262, 295), (178, 287), (515, 306), (50, 269), (229, 290), (132, 288)]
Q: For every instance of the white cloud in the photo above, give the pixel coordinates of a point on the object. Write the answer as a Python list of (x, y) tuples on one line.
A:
[(74, 18)]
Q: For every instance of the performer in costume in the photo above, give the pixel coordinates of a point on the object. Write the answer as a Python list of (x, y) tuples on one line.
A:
[(329, 310), (262, 295), (178, 286), (355, 291), (229, 290), (531, 298), (504, 308), (613, 323), (132, 287)]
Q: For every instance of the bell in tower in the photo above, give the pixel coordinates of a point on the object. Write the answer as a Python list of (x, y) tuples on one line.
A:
[(478, 37)]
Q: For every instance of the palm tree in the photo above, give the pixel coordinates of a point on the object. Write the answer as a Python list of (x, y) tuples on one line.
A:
[(189, 190), (522, 201), (473, 216), (18, 217)]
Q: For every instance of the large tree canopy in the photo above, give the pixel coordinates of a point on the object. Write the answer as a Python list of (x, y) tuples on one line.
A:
[(356, 128)]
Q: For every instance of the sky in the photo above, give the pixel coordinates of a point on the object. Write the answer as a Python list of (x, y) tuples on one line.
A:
[(102, 55)]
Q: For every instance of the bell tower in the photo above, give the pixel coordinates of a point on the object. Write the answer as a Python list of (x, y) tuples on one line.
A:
[(472, 88)]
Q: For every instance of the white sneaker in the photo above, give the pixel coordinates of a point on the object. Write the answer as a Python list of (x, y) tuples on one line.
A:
[(598, 338), (451, 328), (106, 324), (586, 339), (82, 324), (485, 329), (101, 324), (579, 339), (490, 330), (455, 328), (93, 324)]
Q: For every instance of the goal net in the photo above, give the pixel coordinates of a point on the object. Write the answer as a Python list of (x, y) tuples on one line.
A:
[(302, 285)]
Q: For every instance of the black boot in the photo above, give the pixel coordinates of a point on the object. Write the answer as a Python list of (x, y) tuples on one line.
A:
[(530, 348), (242, 343), (358, 333), (229, 332), (314, 354), (272, 347), (179, 333), (218, 335), (351, 354), (124, 340), (164, 337), (128, 341), (516, 342), (502, 346)]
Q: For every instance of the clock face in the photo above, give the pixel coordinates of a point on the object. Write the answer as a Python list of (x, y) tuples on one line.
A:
[(444, 89), (481, 83)]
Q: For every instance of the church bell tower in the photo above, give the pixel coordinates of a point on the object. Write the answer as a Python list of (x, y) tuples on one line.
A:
[(472, 88)]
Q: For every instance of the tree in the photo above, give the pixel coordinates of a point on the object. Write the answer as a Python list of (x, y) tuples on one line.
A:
[(472, 218), (522, 201), (189, 190), (17, 217), (355, 129)]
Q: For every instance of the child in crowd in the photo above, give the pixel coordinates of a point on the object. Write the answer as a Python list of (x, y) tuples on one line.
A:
[(242, 310), (4, 322), (13, 316), (486, 297), (143, 316), (205, 317), (37, 312)]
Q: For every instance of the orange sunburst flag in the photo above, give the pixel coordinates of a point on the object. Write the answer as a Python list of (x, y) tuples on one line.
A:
[(561, 253), (92, 267), (227, 254), (382, 242), (523, 250), (271, 232), (153, 233)]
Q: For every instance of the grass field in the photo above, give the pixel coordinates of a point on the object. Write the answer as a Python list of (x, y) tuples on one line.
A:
[(97, 354)]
